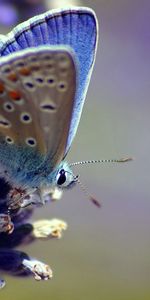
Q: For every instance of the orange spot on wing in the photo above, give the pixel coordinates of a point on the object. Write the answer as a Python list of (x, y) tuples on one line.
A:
[(14, 95), (25, 71), (1, 88), (12, 77)]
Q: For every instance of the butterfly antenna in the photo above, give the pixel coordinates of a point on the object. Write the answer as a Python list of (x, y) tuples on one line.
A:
[(122, 160), (92, 199)]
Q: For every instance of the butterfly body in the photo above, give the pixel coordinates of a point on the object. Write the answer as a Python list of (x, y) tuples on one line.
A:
[(45, 69)]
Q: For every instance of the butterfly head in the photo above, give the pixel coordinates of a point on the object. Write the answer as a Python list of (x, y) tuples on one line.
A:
[(63, 177)]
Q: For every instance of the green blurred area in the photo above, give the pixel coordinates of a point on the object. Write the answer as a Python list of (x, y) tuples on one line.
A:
[(105, 253)]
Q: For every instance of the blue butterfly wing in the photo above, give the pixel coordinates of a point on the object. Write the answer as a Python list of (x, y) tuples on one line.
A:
[(75, 27)]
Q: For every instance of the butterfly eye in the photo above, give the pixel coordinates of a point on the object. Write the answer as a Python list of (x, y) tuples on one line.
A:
[(61, 177), (65, 178)]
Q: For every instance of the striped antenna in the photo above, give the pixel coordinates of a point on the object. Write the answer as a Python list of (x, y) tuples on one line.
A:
[(122, 160), (91, 198)]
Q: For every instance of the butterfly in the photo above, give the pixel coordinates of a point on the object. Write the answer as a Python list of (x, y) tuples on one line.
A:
[(45, 69)]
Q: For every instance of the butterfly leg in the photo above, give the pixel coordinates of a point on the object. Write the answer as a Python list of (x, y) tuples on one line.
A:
[(20, 264), (6, 224), (42, 196), (51, 194)]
